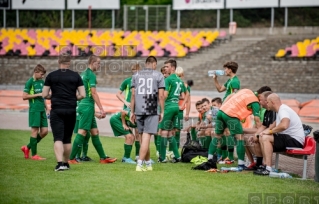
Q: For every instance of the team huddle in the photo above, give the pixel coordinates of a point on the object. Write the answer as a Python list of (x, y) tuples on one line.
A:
[(154, 104)]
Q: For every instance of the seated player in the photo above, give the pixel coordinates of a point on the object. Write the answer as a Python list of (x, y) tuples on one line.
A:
[(121, 126)]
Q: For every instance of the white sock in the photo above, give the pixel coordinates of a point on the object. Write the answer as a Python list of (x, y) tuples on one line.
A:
[(148, 163), (241, 162), (269, 168), (210, 156), (139, 162)]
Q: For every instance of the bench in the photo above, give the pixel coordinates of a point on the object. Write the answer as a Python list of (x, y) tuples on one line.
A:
[(308, 149)]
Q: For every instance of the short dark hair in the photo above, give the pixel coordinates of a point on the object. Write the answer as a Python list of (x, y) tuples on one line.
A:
[(151, 59), (231, 65), (267, 93), (39, 68), (217, 99), (190, 83), (205, 100), (172, 62), (263, 89), (198, 103)]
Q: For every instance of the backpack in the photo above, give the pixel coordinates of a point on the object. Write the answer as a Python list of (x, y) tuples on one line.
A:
[(192, 149), (210, 164)]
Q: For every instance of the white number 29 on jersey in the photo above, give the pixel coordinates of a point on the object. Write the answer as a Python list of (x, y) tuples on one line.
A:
[(145, 88), (178, 89)]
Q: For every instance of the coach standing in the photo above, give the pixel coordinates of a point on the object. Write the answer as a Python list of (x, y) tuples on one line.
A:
[(64, 85)]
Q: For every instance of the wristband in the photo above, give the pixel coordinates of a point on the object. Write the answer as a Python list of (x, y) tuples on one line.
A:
[(270, 132)]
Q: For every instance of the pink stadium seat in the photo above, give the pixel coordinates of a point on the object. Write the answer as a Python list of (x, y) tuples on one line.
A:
[(310, 50), (127, 33), (205, 43), (32, 34), (222, 34), (294, 51), (99, 33), (194, 49)]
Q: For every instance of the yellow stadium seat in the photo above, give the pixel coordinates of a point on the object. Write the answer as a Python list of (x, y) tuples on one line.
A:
[(280, 53)]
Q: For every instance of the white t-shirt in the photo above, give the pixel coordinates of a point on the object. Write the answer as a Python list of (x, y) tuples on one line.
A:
[(295, 129)]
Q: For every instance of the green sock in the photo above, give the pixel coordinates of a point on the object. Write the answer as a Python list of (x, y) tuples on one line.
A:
[(173, 142), (223, 147), (163, 148), (78, 154), (39, 138), (170, 146), (127, 150), (230, 146), (86, 145), (202, 141), (208, 139), (213, 146), (98, 146), (33, 144), (241, 150), (155, 141), (193, 134), (178, 138), (77, 145), (137, 148), (219, 151), (158, 143)]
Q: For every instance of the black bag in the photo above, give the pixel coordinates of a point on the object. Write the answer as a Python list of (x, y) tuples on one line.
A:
[(192, 149), (210, 164), (307, 129)]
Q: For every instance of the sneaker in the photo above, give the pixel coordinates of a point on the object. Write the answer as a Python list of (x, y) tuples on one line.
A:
[(107, 160), (174, 160), (228, 161), (73, 161), (260, 172), (260, 168), (78, 159), (149, 168), (86, 158), (242, 167), (37, 157), (251, 167), (26, 151), (140, 168), (128, 160), (221, 162), (161, 161), (152, 162), (66, 166), (59, 168)]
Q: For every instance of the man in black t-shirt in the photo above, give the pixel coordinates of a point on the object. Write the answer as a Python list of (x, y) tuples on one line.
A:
[(64, 85), (253, 141)]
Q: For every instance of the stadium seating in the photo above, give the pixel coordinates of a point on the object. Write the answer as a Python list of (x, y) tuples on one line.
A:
[(308, 49), (43, 42)]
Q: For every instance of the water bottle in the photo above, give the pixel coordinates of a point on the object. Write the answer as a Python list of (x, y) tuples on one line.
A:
[(216, 72), (231, 169), (279, 175)]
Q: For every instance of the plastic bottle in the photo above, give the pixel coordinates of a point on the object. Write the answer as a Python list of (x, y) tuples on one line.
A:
[(279, 175), (216, 72), (231, 169)]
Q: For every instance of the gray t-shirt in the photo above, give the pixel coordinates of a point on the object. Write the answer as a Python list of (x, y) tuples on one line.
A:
[(147, 82)]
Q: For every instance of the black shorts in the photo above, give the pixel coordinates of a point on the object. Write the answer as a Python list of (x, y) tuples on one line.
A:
[(281, 141), (62, 124)]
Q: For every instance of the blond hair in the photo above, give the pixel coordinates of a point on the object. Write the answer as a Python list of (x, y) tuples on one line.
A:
[(179, 71)]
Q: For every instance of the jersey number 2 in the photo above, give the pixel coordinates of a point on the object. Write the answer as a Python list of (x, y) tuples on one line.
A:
[(145, 87)]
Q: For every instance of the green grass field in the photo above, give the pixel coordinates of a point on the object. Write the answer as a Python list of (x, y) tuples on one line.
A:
[(27, 181)]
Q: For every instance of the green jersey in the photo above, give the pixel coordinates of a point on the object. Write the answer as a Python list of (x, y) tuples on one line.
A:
[(262, 114), (230, 85), (126, 86), (117, 116), (32, 87), (174, 86), (89, 81)]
